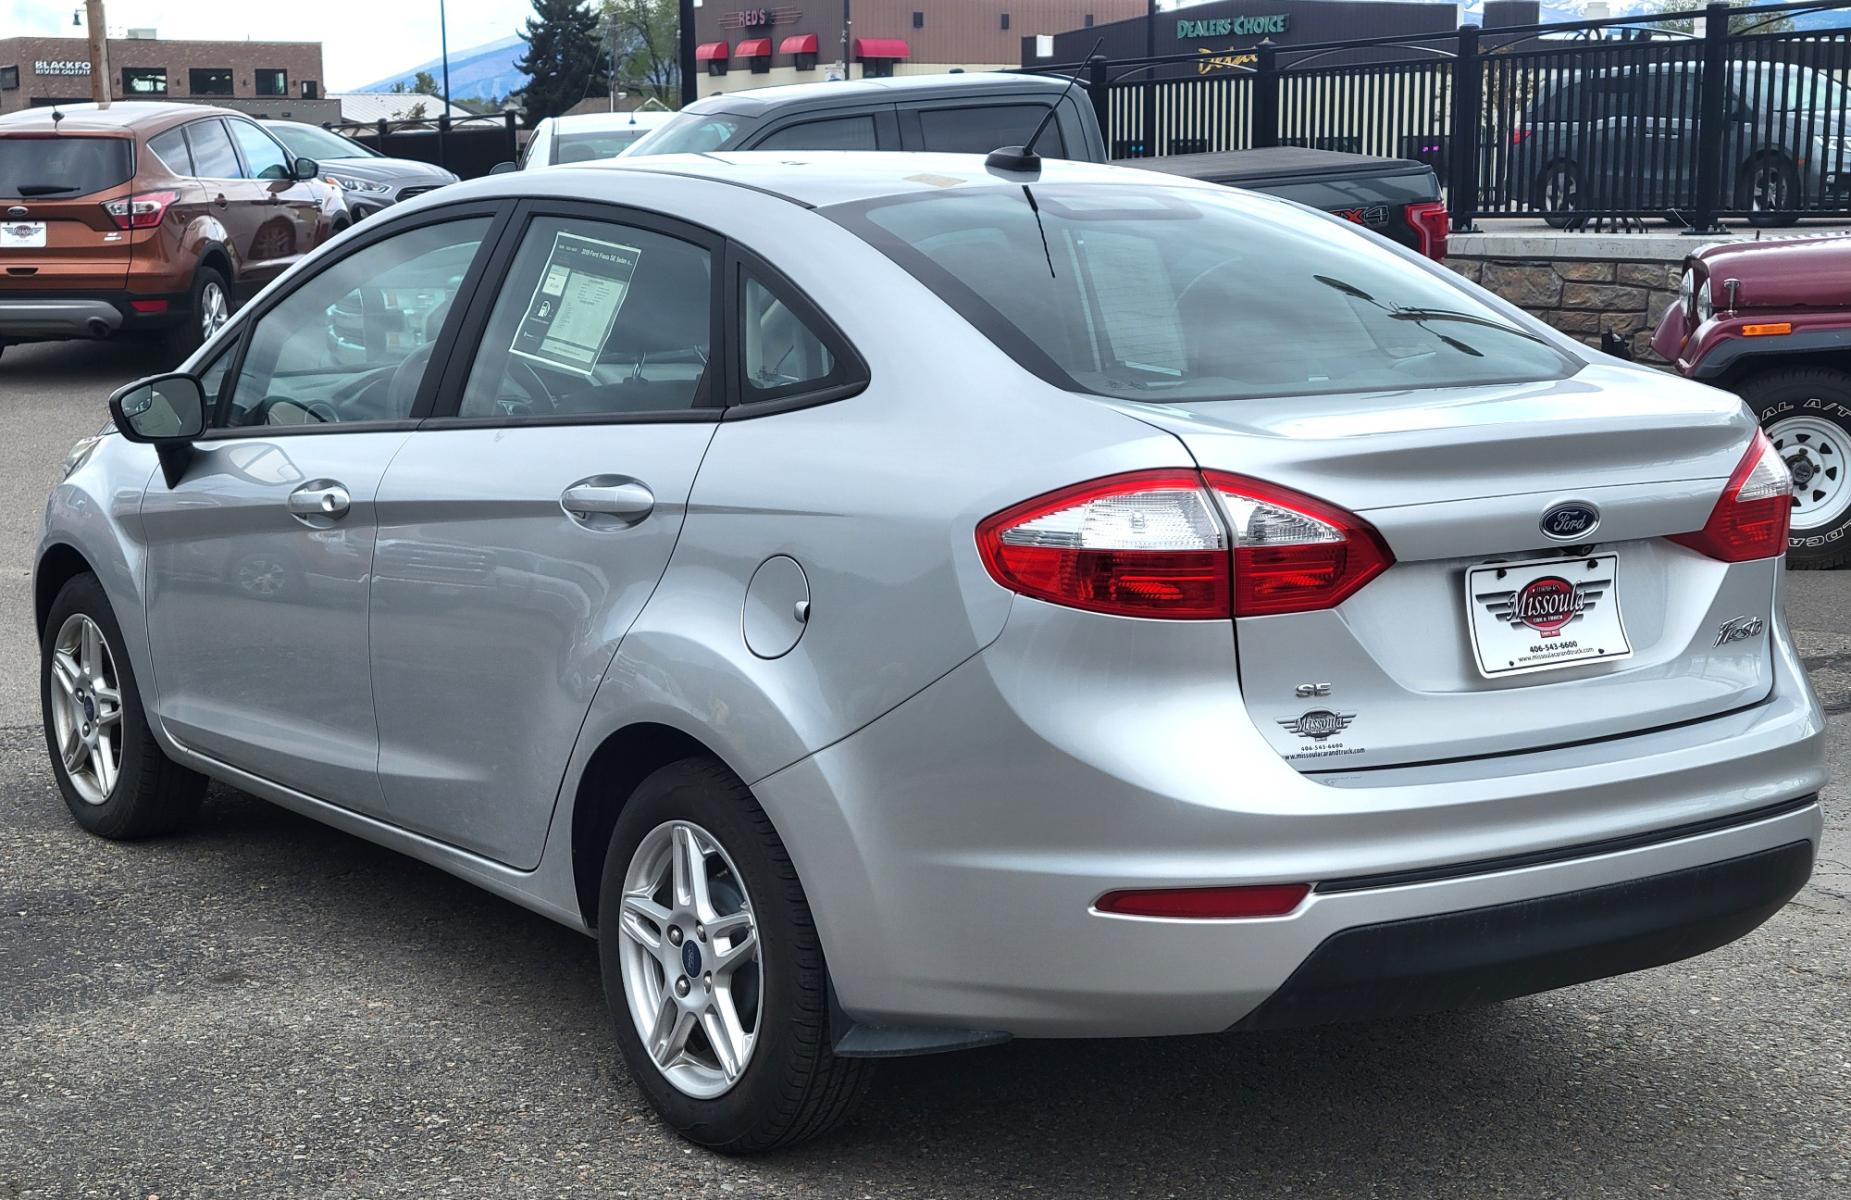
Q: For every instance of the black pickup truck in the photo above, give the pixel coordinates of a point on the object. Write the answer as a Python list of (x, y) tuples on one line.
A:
[(976, 113)]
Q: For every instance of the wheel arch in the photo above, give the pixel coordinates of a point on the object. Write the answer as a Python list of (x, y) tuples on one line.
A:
[(58, 564), (622, 760)]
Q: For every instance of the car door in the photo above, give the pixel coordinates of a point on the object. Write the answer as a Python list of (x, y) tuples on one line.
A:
[(523, 527), (291, 211), (259, 558), (229, 196)]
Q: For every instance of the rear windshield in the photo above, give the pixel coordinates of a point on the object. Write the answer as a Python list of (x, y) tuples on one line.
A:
[(63, 166), (1179, 294), (603, 143), (688, 133)]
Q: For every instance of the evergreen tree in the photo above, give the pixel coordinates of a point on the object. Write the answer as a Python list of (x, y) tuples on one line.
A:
[(565, 60)]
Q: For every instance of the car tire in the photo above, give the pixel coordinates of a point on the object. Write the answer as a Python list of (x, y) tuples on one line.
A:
[(1774, 173), (1806, 412), (787, 1084), (1560, 181), (119, 784), (207, 313)]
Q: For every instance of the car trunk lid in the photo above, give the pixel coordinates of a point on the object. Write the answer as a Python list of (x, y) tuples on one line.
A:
[(55, 234), (1431, 659)]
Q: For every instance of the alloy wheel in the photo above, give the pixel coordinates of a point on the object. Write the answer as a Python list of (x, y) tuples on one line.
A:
[(1815, 453), (1561, 191), (86, 708), (1767, 188), (214, 309), (690, 954)]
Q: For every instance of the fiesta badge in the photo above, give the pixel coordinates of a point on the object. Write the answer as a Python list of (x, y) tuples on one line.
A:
[(1572, 521)]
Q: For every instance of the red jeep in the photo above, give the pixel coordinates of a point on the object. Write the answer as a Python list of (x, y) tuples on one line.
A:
[(1771, 321)]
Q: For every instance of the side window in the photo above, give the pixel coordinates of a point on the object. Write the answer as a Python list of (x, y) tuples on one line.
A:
[(782, 350), (837, 133), (981, 130), (595, 319), (353, 342), (263, 158), (213, 157), (171, 148)]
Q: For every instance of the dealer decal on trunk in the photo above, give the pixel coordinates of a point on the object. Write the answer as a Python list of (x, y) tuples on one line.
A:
[(1545, 604)]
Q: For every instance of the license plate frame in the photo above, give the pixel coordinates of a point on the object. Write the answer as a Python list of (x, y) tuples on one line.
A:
[(22, 235), (1545, 614)]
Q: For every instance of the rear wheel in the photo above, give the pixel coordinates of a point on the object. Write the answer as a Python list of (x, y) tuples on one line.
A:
[(1561, 193), (114, 776), (1806, 412), (1770, 191), (713, 970), (211, 308)]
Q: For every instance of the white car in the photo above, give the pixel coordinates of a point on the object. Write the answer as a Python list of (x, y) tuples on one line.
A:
[(588, 136)]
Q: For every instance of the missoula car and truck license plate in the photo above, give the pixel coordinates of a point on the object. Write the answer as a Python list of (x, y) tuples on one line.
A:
[(1545, 613), (22, 234)]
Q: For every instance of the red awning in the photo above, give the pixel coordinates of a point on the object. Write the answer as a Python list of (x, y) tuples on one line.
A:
[(710, 52), (800, 43), (880, 47), (755, 48)]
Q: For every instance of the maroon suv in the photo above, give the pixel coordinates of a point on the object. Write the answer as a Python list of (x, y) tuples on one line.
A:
[(1771, 321), (151, 218)]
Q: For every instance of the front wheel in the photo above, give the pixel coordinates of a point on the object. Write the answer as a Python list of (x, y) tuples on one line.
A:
[(114, 776), (1806, 412), (713, 970), (1561, 194)]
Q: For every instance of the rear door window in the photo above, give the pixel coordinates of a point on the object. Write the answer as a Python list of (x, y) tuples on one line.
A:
[(213, 155), (786, 348), (170, 148), (65, 166), (836, 133), (979, 130)]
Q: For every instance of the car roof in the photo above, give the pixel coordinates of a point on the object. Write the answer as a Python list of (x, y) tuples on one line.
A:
[(582, 122), (763, 101), (126, 116), (821, 178)]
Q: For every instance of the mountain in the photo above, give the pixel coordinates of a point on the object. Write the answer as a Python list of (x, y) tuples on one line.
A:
[(480, 71)]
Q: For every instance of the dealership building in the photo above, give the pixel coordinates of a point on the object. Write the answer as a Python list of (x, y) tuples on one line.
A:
[(266, 79), (740, 48)]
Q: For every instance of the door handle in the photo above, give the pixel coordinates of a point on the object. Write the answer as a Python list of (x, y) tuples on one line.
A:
[(319, 504), (607, 501)]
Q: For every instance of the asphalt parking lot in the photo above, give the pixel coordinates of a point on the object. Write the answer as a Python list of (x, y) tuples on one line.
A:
[(265, 1007)]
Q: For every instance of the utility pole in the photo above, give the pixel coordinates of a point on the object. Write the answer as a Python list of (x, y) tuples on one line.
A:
[(848, 63), (443, 125), (99, 52), (690, 72)]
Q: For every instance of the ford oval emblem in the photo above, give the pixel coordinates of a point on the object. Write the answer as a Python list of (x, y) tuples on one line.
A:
[(1572, 521), (16, 212)]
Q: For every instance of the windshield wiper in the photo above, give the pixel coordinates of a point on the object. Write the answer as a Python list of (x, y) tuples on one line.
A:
[(44, 189), (1447, 314)]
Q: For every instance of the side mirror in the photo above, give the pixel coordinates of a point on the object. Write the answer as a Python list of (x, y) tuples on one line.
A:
[(307, 168), (503, 168), (164, 409)]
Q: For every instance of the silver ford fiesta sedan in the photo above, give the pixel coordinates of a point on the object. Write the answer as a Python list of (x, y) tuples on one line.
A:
[(897, 604)]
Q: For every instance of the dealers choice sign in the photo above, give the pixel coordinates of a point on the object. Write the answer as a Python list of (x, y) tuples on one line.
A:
[(60, 67), (1233, 27)]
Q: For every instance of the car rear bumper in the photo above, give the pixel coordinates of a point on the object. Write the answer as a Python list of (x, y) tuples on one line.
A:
[(32, 317), (956, 891)]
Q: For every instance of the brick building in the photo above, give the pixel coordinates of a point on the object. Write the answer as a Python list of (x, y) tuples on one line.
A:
[(739, 48), (269, 79)]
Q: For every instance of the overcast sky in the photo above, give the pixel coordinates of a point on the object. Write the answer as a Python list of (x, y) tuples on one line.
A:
[(360, 42)]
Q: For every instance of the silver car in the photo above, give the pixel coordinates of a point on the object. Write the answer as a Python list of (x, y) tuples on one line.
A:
[(897, 605)]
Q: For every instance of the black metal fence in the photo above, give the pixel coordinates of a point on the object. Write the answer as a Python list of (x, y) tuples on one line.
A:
[(1686, 116), (469, 146)]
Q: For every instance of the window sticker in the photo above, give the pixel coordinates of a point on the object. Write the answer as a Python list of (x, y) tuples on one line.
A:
[(575, 304)]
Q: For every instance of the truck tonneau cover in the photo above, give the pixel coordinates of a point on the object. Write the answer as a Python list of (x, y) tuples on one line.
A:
[(1274, 163)]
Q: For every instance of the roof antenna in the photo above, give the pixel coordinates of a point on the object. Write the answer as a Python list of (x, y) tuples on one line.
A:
[(1023, 157)]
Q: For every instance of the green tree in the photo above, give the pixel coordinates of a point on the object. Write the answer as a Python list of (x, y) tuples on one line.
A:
[(565, 59), (424, 83), (1764, 23), (648, 37)]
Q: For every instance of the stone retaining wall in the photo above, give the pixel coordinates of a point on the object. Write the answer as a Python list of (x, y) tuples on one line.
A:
[(1583, 284)]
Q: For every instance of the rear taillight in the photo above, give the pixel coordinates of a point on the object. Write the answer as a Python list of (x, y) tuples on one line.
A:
[(1146, 544), (1157, 544), (1432, 225), (1293, 552), (1519, 136), (1207, 903), (1750, 521), (143, 210)]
